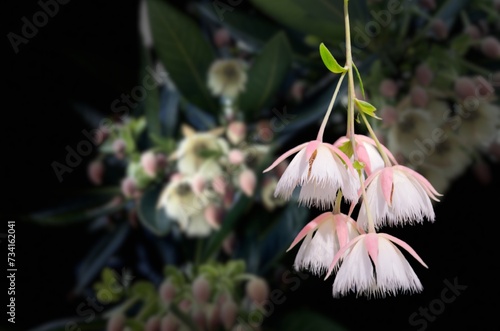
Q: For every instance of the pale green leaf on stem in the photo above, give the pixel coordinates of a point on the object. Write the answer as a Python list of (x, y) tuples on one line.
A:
[(366, 108), (329, 60)]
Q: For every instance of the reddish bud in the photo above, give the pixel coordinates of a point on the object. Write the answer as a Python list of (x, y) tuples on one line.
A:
[(228, 314), (119, 146), (388, 88), (419, 97), (424, 74), (201, 289), (257, 290), (490, 46), (95, 172), (247, 181), (149, 163), (167, 291)]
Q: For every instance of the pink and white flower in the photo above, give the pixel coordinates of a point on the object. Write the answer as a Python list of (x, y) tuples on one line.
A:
[(323, 238), (373, 265), (320, 169), (366, 150), (397, 195)]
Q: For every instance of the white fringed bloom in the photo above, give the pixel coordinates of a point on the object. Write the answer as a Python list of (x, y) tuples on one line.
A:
[(320, 169), (373, 266), (323, 238), (397, 195), (479, 123)]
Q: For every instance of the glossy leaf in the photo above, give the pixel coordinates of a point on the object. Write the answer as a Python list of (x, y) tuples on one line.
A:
[(153, 218), (266, 75), (183, 51), (99, 255)]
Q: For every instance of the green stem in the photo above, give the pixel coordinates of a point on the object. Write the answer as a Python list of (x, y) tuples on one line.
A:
[(371, 224), (330, 107), (351, 93), (338, 202)]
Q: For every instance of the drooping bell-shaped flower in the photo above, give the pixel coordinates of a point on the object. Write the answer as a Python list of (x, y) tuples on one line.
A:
[(320, 170), (323, 238), (372, 265), (397, 195)]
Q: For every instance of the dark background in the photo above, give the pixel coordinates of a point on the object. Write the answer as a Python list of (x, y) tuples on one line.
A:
[(88, 52)]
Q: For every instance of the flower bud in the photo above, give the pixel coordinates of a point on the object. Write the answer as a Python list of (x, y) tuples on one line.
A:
[(228, 314), (116, 322), (119, 146), (129, 187), (185, 305), (201, 289), (257, 290), (236, 157), (473, 32), (161, 160), (149, 163), (95, 172), (464, 87), (228, 244), (170, 323), (419, 96), (198, 184), (213, 215), (167, 291), (388, 88), (424, 74), (222, 37), (490, 46), (219, 185), (247, 181), (236, 132), (439, 28), (297, 90), (153, 324), (265, 131), (483, 87)]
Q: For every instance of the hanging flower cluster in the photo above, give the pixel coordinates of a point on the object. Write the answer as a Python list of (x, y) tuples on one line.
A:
[(360, 170)]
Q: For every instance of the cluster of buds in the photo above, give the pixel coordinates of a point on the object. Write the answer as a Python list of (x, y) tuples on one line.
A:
[(217, 297)]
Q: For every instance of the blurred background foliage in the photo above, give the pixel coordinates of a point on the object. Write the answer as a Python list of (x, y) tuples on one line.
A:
[(411, 55)]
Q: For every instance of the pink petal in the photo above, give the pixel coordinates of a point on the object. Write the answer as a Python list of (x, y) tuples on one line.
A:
[(340, 154), (405, 246), (387, 182), (312, 146), (339, 142), (372, 142), (341, 228), (341, 252), (431, 191), (310, 227), (285, 155), (363, 157), (371, 243)]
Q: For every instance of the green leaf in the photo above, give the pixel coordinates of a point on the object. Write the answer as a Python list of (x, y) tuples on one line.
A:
[(153, 218), (175, 275), (307, 320), (183, 51), (143, 289), (266, 75), (329, 60), (366, 108), (151, 104)]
